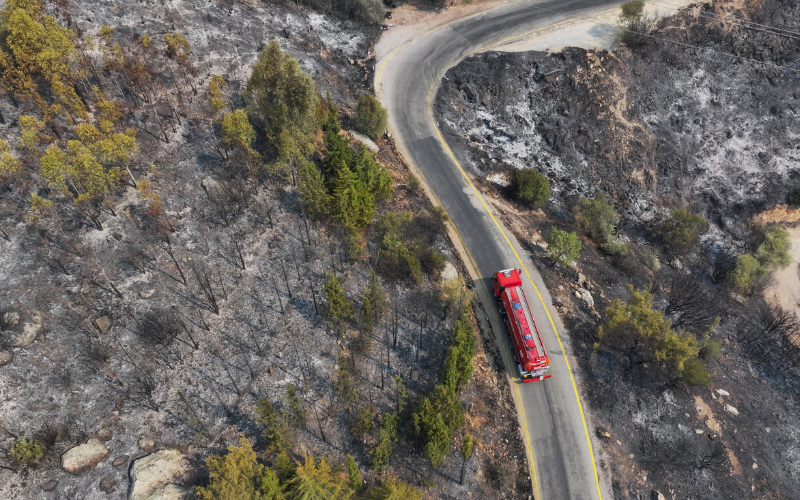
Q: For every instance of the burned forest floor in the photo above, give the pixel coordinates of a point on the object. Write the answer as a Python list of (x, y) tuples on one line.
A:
[(703, 116)]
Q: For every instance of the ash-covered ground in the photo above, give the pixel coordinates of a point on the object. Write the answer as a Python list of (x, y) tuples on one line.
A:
[(238, 267), (678, 122)]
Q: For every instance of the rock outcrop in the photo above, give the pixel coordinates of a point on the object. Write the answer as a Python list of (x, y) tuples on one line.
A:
[(156, 476), (30, 331), (83, 457)]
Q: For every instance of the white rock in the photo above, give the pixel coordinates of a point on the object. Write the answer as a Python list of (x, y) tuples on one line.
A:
[(699, 431), (586, 295), (147, 294), (30, 331), (730, 409), (755, 465), (10, 319), (153, 477), (81, 458), (449, 272), (723, 392), (6, 358)]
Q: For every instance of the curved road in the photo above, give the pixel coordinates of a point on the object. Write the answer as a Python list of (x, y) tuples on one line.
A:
[(552, 418)]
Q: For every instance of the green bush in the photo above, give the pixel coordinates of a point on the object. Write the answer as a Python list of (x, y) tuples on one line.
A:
[(710, 350), (746, 273), (414, 185), (695, 372), (597, 216), (632, 9), (371, 116), (27, 450), (680, 229), (773, 252), (564, 247), (532, 188)]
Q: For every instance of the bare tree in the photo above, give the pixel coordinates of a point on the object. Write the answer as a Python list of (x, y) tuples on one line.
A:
[(206, 287)]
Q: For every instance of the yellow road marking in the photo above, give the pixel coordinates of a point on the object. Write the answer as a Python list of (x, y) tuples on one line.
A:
[(519, 259)]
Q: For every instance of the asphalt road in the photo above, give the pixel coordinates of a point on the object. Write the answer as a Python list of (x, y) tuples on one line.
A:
[(407, 79)]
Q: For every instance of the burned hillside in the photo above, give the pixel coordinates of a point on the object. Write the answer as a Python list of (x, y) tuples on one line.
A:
[(699, 116)]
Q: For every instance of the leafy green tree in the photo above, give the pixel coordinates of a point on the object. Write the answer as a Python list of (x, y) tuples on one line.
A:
[(236, 132), (314, 480), (392, 489), (532, 188), (371, 116), (564, 247), (374, 302), (597, 216), (338, 307), (316, 199), (27, 450), (10, 165), (238, 476), (284, 97), (681, 228), (276, 430), (353, 473), (215, 90)]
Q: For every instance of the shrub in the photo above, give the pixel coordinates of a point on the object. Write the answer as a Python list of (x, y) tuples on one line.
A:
[(564, 247), (746, 273), (371, 116), (695, 372), (533, 188), (27, 450), (681, 228), (773, 252), (413, 184), (597, 216), (710, 350), (632, 9)]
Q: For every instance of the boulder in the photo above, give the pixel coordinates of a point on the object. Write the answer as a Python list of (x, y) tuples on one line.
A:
[(104, 434), (108, 485), (6, 358), (363, 139), (103, 324), (146, 444), (120, 461), (30, 331), (82, 458), (449, 272), (9, 320), (676, 264), (581, 280), (586, 296), (147, 294), (155, 476)]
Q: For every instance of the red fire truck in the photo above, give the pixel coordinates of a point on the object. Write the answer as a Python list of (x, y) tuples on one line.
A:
[(526, 343)]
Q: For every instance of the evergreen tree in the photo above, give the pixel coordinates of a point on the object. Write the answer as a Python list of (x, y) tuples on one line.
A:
[(235, 476), (374, 302), (387, 441), (353, 473), (316, 481), (338, 308), (371, 116), (564, 247), (392, 489), (284, 97), (276, 431), (298, 413), (374, 176), (316, 199), (353, 205), (236, 132)]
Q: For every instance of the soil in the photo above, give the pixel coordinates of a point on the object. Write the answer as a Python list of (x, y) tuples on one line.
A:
[(658, 126)]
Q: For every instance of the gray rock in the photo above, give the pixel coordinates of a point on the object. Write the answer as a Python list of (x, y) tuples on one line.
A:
[(146, 444), (6, 358), (103, 324), (676, 264), (104, 434), (156, 476), (83, 457), (30, 331), (581, 280), (50, 485), (147, 294), (120, 461), (363, 139), (586, 296), (108, 484), (9, 320), (449, 272)]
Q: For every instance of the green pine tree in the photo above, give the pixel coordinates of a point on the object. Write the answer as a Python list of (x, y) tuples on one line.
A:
[(353, 473), (314, 480), (374, 302), (338, 308)]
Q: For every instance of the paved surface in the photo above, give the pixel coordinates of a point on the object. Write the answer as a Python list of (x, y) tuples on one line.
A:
[(406, 80)]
